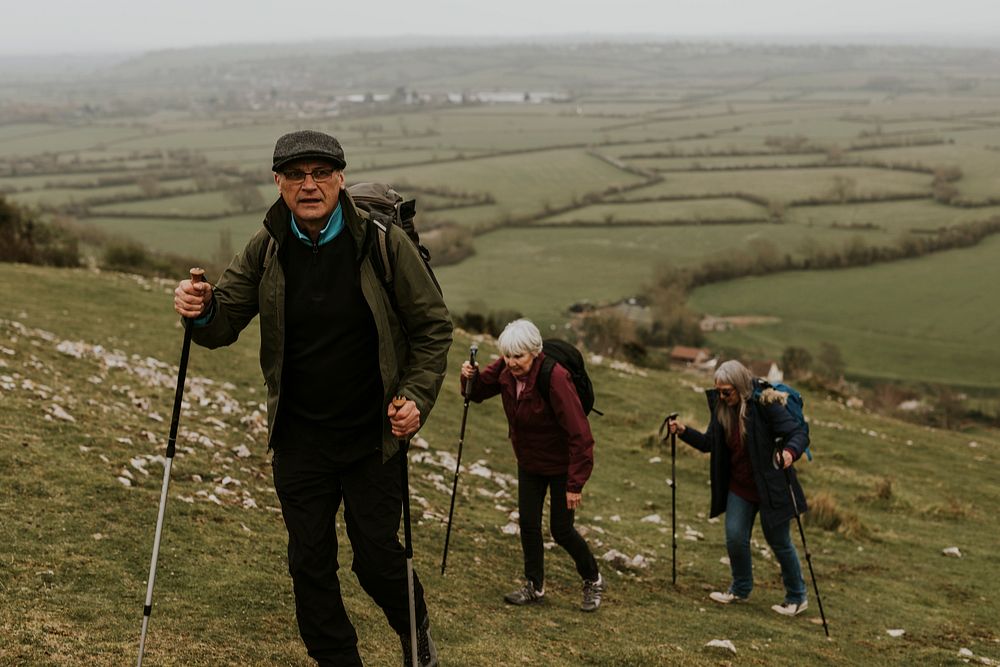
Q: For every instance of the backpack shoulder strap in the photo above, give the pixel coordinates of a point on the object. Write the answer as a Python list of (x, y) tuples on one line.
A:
[(382, 253), (544, 380)]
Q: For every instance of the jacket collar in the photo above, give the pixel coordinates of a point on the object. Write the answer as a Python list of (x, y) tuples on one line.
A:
[(334, 225)]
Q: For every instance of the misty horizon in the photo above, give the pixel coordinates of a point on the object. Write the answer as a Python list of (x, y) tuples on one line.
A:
[(111, 27), (414, 41)]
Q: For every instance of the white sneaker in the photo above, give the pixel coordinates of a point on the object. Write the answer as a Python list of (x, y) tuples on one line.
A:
[(726, 598), (791, 608)]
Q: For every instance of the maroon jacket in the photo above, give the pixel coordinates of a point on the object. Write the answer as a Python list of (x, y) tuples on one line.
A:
[(549, 438)]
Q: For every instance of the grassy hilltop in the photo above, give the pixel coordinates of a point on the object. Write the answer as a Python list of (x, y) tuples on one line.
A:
[(86, 388)]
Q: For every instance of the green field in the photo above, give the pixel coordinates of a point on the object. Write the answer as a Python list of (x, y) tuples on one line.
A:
[(523, 184), (897, 217), (621, 125), (903, 321), (188, 238), (715, 210), (539, 272), (75, 543), (788, 185)]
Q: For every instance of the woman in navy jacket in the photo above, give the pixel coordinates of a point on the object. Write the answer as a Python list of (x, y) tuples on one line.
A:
[(753, 440), (554, 450)]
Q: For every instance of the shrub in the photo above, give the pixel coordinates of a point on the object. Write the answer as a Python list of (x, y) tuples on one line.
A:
[(132, 257), (612, 334), (25, 239), (448, 244), (796, 361), (491, 322)]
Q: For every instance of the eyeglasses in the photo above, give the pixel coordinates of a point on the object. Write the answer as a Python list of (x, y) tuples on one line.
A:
[(319, 175), (726, 393)]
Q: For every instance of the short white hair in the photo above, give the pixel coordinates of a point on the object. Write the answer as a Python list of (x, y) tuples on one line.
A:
[(518, 337)]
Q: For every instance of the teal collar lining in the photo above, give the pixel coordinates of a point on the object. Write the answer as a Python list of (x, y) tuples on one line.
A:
[(334, 226)]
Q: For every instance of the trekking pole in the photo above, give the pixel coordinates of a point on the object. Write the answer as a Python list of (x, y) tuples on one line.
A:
[(404, 478), (805, 547), (197, 276), (673, 500), (458, 462), (673, 491)]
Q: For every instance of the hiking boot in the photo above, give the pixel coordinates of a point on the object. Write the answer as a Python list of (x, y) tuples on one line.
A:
[(526, 594), (726, 598), (791, 608), (427, 655), (592, 591)]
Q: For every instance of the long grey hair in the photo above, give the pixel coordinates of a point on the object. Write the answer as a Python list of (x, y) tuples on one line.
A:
[(734, 373)]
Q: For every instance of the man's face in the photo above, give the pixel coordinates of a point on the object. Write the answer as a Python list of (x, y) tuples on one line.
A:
[(310, 188)]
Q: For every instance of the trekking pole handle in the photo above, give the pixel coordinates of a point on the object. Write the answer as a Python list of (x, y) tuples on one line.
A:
[(398, 401), (779, 458), (666, 423), (197, 276)]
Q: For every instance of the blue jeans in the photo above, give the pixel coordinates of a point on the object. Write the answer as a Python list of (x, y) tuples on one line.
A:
[(740, 515)]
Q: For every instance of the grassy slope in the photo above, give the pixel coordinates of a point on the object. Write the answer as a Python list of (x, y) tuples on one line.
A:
[(74, 543), (907, 320)]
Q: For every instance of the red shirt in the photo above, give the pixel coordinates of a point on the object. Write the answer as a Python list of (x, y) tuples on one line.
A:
[(741, 480)]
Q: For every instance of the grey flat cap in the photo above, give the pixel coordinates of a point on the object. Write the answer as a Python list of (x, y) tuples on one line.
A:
[(307, 144)]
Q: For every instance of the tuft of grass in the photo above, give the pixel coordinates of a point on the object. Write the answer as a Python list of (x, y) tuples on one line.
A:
[(825, 513)]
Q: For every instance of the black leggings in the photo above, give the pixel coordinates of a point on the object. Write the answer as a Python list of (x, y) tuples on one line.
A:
[(311, 489), (530, 503)]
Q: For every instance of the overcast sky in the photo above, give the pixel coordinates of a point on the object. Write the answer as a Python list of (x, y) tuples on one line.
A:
[(95, 26)]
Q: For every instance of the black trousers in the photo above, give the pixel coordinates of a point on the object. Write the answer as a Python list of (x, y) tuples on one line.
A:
[(530, 503), (310, 488)]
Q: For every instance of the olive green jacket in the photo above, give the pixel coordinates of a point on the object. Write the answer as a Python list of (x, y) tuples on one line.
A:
[(413, 337)]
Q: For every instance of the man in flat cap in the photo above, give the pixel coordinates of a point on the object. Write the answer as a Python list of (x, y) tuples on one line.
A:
[(335, 348)]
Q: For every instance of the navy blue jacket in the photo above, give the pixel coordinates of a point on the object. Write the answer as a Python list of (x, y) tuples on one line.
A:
[(769, 426)]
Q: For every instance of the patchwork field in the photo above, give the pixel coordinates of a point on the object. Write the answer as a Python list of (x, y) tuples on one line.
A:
[(578, 175), (930, 319)]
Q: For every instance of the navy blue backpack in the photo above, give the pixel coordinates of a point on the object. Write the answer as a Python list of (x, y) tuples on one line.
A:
[(793, 403)]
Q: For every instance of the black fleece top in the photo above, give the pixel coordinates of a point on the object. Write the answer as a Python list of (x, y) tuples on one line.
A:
[(332, 388)]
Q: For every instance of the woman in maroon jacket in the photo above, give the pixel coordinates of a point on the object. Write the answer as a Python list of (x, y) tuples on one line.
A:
[(554, 450)]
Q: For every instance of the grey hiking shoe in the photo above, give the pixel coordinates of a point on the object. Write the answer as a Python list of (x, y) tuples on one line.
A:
[(427, 655), (592, 591), (526, 594)]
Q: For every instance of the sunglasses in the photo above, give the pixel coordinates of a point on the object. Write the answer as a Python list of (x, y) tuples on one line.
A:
[(726, 393)]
